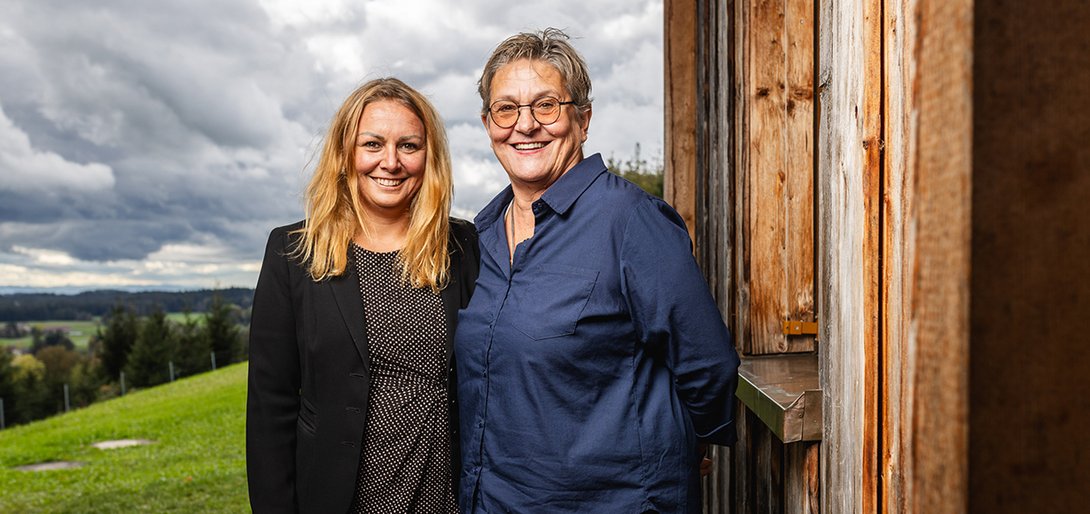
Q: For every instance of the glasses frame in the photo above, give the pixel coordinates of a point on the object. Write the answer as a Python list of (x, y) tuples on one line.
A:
[(533, 112)]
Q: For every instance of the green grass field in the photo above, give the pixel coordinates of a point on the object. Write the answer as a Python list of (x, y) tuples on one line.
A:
[(197, 463)]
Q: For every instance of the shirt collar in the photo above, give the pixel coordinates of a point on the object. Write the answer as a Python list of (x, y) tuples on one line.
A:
[(559, 197), (562, 194)]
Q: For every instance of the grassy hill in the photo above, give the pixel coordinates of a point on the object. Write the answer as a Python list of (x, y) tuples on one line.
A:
[(197, 463)]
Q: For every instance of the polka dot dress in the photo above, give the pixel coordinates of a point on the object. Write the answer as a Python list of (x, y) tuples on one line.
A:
[(405, 465)]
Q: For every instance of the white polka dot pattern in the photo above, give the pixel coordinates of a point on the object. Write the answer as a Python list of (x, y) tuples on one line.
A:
[(405, 465)]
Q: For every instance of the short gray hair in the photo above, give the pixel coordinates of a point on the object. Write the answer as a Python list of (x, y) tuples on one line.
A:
[(550, 46)]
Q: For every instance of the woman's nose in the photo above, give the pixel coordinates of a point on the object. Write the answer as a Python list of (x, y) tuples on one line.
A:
[(526, 122), (390, 160)]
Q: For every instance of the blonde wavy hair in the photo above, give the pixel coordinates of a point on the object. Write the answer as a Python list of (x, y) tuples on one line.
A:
[(334, 211)]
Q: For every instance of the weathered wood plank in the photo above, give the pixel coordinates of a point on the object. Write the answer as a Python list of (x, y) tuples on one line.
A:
[(898, 253), (778, 55), (681, 108), (872, 205), (844, 126), (940, 296), (801, 477), (798, 200), (766, 60), (1030, 296)]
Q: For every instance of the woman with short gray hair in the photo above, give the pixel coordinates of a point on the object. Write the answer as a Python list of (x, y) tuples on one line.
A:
[(592, 359)]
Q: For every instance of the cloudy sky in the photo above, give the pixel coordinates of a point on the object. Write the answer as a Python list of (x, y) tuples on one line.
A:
[(155, 144)]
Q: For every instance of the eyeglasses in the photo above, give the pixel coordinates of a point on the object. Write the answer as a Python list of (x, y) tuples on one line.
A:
[(546, 111)]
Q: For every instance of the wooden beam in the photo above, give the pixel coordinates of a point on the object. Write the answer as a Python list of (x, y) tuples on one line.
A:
[(940, 311), (898, 253), (849, 164), (681, 108), (1030, 258)]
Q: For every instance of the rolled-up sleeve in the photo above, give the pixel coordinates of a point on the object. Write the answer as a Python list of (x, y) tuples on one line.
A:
[(673, 310), (272, 404)]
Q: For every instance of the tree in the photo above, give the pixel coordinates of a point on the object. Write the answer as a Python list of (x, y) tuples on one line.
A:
[(31, 397), (48, 338), (117, 340), (7, 383), (222, 330), (646, 174), (155, 347), (12, 330), (193, 347), (59, 363)]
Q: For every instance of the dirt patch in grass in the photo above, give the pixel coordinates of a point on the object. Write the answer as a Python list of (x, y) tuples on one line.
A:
[(120, 443), (49, 466)]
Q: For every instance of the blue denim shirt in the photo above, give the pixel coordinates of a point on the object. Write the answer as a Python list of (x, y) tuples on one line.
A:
[(590, 367)]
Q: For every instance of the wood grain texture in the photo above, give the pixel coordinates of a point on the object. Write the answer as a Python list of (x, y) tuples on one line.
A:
[(1029, 362), (843, 220), (940, 295), (778, 188), (873, 148), (801, 487), (681, 105), (898, 253)]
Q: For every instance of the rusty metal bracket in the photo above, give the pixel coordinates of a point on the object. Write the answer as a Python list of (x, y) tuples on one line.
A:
[(799, 328)]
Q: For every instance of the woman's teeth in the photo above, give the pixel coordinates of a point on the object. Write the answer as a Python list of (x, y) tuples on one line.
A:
[(389, 182), (529, 146)]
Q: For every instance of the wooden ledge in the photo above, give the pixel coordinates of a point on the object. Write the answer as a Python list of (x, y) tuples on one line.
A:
[(783, 391)]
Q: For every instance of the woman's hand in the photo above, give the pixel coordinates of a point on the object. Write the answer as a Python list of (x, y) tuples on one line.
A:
[(706, 464)]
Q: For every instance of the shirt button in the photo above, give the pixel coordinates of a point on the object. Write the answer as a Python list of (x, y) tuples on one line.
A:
[(480, 424)]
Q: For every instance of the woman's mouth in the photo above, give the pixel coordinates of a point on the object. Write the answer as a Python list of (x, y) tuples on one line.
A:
[(528, 146), (388, 182)]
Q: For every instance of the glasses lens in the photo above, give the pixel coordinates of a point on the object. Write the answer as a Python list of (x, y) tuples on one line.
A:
[(505, 113), (547, 110)]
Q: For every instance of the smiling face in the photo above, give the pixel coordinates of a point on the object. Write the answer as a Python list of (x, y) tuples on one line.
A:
[(390, 158), (535, 155)]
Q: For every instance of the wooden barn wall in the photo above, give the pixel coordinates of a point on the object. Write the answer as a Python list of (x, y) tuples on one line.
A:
[(1029, 360)]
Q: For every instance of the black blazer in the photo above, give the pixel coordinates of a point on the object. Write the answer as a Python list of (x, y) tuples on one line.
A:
[(309, 376)]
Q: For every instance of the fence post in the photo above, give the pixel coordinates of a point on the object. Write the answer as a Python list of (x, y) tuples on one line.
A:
[(122, 383), (171, 370), (67, 405), (1, 413), (213, 360)]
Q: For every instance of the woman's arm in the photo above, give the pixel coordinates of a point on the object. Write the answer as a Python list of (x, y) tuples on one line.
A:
[(672, 307)]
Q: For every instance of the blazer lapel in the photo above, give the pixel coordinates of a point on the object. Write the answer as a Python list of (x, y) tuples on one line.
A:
[(346, 293), (452, 297)]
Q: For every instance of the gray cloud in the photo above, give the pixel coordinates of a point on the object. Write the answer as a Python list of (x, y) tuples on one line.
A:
[(135, 131)]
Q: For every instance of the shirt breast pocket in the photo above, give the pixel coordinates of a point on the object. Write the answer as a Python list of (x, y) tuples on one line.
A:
[(549, 300)]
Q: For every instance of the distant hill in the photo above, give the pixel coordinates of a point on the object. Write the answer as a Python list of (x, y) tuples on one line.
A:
[(86, 305)]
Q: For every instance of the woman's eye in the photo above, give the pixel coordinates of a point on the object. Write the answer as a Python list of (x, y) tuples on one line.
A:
[(410, 147), (371, 145)]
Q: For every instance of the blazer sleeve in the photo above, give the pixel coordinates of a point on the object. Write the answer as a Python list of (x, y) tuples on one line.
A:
[(272, 404)]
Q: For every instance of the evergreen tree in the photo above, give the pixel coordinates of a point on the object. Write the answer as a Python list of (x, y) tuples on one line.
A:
[(50, 338), (155, 347), (7, 384), (117, 340), (193, 347), (222, 330)]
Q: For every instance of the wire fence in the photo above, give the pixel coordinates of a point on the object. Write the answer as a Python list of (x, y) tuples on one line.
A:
[(174, 372)]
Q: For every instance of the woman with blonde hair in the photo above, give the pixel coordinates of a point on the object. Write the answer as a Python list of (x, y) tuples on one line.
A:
[(350, 403)]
